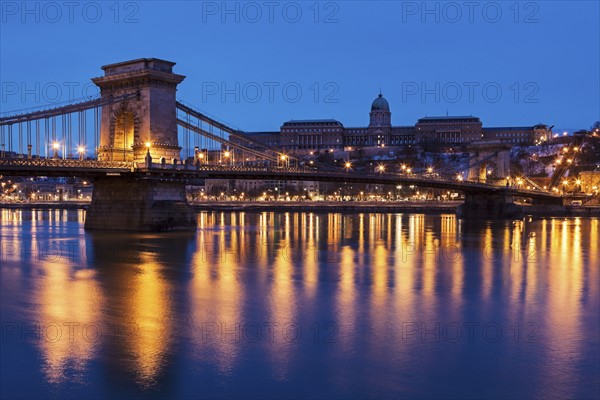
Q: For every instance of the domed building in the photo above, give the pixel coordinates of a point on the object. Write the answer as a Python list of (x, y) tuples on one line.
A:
[(380, 104), (380, 123)]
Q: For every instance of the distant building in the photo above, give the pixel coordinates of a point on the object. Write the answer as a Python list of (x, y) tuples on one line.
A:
[(448, 130), (525, 135), (312, 134), (590, 181), (304, 136)]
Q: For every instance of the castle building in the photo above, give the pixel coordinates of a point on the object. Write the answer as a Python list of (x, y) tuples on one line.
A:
[(305, 136)]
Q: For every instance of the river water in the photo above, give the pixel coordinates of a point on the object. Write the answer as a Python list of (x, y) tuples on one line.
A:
[(275, 304)]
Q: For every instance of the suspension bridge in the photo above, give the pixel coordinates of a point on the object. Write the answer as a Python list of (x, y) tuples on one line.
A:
[(140, 146)]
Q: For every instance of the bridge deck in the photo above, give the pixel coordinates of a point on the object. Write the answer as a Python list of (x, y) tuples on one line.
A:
[(92, 168)]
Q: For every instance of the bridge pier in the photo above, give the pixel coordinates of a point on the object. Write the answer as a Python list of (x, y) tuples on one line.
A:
[(138, 204), (490, 206)]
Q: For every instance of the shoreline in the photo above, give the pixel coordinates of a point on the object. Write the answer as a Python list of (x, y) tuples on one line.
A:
[(45, 206), (330, 206), (450, 207)]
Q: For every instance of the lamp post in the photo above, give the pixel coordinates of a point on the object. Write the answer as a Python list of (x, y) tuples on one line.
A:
[(148, 158), (55, 146), (81, 151), (226, 155)]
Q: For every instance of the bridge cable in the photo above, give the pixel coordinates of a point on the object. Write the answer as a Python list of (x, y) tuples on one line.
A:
[(37, 138), (20, 140)]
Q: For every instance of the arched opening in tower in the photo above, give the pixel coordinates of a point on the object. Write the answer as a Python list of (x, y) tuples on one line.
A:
[(123, 137)]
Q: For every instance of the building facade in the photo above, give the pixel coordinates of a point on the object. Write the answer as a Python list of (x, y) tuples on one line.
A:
[(305, 136)]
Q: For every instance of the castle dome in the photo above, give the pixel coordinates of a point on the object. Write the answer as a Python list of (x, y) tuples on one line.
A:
[(380, 104)]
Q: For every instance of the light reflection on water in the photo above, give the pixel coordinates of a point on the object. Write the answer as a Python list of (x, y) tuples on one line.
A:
[(301, 304)]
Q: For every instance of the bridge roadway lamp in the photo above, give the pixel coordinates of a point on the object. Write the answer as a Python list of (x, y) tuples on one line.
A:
[(148, 158), (81, 151), (565, 182), (55, 146)]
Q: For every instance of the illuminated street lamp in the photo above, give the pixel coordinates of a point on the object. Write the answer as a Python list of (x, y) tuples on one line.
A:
[(429, 170), (519, 182), (148, 157), (81, 151), (459, 177), (381, 168), (348, 165), (226, 156), (55, 146)]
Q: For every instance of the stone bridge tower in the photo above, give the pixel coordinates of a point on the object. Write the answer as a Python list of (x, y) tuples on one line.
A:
[(135, 201), (148, 117), (488, 152)]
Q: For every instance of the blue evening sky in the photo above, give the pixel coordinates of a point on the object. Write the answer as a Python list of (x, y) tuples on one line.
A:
[(258, 64)]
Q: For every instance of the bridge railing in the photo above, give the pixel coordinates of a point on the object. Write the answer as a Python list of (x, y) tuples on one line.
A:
[(63, 163)]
